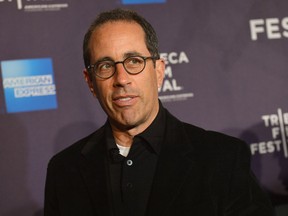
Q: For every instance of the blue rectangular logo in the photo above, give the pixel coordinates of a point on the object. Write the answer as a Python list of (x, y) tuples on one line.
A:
[(28, 85), (142, 1)]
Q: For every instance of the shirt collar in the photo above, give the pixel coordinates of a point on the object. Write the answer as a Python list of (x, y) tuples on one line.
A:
[(153, 135)]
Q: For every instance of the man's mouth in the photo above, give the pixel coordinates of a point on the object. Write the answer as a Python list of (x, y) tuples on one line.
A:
[(123, 101)]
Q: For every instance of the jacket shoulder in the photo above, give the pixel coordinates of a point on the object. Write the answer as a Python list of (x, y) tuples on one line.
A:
[(216, 145), (74, 151)]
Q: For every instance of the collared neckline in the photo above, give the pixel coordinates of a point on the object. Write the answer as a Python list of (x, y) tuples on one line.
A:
[(153, 135)]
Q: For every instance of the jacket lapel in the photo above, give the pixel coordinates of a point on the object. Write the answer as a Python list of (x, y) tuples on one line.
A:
[(174, 167), (93, 168)]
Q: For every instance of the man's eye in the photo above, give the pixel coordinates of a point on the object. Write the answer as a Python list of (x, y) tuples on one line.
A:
[(135, 61), (105, 66)]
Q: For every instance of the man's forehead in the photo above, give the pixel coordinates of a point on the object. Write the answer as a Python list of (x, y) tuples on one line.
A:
[(115, 30), (105, 35), (112, 23)]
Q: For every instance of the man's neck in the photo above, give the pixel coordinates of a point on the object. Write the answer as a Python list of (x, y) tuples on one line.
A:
[(124, 136)]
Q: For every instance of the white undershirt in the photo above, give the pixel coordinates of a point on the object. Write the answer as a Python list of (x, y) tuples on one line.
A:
[(124, 151)]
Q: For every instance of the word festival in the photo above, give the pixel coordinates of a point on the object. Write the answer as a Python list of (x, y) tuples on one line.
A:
[(172, 58), (278, 123)]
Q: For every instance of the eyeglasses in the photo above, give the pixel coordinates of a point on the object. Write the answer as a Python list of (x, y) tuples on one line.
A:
[(106, 68)]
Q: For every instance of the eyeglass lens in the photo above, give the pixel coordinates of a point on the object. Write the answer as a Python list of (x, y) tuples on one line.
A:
[(133, 65)]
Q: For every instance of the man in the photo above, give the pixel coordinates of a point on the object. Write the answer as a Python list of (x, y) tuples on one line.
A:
[(144, 161)]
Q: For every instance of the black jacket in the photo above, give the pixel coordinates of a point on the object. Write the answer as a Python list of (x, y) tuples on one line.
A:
[(199, 173)]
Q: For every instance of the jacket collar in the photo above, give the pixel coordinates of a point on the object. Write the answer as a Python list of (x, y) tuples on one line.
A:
[(174, 167), (93, 168)]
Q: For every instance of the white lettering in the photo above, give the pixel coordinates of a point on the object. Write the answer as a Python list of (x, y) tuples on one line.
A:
[(275, 28), (253, 148), (175, 86), (262, 148), (183, 58), (265, 147), (285, 118), (176, 97), (174, 58), (272, 26), (270, 147), (19, 4), (167, 86), (168, 72), (35, 91), (270, 120), (266, 120), (277, 144), (285, 26), (171, 85), (256, 27), (275, 132), (27, 81), (274, 120)]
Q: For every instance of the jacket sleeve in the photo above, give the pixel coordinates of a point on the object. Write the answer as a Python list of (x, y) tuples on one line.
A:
[(50, 200), (245, 196)]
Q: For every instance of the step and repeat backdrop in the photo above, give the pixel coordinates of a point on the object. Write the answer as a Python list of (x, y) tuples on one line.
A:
[(226, 70)]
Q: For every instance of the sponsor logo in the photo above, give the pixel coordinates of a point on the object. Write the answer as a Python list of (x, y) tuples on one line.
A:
[(171, 90), (38, 5), (271, 28), (142, 1), (28, 85), (277, 124)]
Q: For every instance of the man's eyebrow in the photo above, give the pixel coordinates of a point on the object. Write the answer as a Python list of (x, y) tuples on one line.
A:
[(125, 55), (106, 58), (132, 53)]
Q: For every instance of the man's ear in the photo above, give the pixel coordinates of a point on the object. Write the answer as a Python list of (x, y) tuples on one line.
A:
[(160, 71), (89, 81)]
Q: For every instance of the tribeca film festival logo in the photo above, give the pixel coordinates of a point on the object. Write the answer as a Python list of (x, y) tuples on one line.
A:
[(28, 85), (171, 90), (278, 123), (271, 28), (38, 5)]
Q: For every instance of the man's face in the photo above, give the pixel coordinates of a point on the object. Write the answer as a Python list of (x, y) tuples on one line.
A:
[(130, 101)]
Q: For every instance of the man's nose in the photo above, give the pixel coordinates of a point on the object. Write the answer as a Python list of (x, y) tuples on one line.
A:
[(121, 76)]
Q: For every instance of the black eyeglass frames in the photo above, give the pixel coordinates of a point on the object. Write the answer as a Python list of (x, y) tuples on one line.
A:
[(132, 64)]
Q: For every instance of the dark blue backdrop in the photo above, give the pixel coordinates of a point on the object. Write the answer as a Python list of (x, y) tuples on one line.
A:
[(226, 71)]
